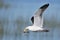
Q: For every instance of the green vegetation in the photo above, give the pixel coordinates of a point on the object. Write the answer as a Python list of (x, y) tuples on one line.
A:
[(1, 28), (1, 31), (52, 22), (3, 5), (21, 23)]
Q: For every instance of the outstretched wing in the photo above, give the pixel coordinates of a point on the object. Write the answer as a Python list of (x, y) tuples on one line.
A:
[(37, 19)]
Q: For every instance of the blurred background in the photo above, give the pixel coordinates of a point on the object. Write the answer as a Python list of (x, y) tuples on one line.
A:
[(15, 15)]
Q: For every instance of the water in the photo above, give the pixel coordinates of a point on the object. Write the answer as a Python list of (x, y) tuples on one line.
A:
[(11, 32)]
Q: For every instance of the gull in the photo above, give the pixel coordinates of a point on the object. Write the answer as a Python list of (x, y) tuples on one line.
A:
[(37, 20)]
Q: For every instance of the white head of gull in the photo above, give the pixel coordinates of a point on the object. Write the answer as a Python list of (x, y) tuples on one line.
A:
[(37, 20)]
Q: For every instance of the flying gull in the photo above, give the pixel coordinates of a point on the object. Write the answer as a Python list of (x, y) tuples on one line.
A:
[(37, 20)]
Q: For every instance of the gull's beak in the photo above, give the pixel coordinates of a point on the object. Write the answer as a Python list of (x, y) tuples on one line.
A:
[(26, 31)]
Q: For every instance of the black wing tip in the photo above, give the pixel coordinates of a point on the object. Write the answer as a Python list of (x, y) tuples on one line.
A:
[(44, 6), (32, 19)]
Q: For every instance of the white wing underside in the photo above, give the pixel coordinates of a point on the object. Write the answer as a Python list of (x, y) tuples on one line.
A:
[(38, 20)]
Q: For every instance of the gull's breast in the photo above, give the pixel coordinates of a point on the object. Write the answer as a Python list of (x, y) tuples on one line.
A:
[(35, 28)]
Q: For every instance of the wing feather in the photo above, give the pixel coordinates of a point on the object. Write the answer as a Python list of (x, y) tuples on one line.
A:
[(38, 18)]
